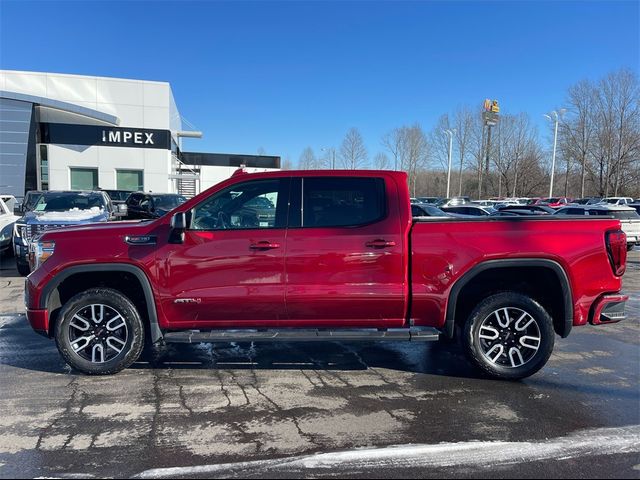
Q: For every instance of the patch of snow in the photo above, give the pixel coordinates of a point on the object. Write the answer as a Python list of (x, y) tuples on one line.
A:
[(604, 441), (75, 214)]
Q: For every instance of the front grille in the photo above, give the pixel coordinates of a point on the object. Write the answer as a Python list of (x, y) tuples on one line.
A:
[(29, 232)]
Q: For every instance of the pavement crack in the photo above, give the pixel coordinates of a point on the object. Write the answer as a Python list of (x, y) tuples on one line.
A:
[(157, 405), (67, 411), (181, 395)]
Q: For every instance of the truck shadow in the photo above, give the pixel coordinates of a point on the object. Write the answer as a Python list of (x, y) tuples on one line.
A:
[(21, 348), (432, 358)]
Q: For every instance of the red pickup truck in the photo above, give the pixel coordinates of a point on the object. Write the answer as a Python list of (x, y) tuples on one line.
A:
[(324, 256)]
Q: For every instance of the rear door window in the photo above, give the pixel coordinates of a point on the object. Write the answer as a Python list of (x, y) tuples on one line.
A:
[(341, 202)]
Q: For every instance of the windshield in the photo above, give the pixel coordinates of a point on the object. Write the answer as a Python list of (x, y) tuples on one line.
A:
[(260, 202), (118, 195), (30, 200), (168, 202), (64, 201)]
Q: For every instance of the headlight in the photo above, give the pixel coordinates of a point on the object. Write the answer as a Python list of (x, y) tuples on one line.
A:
[(18, 229), (39, 252)]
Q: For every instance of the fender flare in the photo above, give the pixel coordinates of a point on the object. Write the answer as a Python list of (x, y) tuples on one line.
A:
[(552, 265), (154, 327)]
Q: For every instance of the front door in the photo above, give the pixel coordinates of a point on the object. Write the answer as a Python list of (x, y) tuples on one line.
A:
[(230, 269)]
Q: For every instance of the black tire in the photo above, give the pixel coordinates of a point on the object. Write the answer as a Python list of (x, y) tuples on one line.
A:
[(132, 345), (23, 268), (475, 347)]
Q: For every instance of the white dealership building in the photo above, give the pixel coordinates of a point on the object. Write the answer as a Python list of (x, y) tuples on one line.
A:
[(61, 132)]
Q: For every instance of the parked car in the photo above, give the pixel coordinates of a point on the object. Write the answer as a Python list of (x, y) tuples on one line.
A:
[(141, 205), (485, 203), (635, 205), (629, 218), (554, 202), (119, 201), (10, 202), (617, 200), (452, 202), (58, 209), (588, 201), (427, 211), (517, 212), (469, 209), (430, 200), (343, 261), (539, 209), (7, 221)]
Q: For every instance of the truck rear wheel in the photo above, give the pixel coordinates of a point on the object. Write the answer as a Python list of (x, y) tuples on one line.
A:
[(509, 336), (99, 332)]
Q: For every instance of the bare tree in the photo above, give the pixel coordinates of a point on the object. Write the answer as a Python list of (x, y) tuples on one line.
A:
[(381, 161), (578, 128), (616, 143), (286, 164), (308, 160), (261, 151), (465, 122), (353, 153), (515, 140), (393, 142)]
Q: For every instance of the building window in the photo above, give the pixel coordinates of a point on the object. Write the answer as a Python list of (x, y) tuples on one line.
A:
[(44, 168), (84, 178), (131, 180)]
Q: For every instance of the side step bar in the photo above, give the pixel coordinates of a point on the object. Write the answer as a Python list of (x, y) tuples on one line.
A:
[(302, 335)]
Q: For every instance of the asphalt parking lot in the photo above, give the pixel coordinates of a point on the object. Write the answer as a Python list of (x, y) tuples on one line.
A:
[(310, 409)]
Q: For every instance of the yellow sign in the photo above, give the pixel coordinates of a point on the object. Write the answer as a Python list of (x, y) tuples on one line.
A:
[(494, 107)]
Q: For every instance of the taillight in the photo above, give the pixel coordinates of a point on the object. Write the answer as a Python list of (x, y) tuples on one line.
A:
[(617, 250)]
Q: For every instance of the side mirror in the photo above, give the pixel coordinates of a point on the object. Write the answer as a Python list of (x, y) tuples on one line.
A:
[(178, 226)]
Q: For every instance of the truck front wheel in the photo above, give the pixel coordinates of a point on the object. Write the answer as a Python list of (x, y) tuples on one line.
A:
[(99, 332), (509, 336)]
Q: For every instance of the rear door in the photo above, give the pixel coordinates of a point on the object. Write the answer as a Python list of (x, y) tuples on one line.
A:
[(345, 253)]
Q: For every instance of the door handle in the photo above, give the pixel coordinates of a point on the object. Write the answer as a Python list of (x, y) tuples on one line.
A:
[(379, 243), (265, 245)]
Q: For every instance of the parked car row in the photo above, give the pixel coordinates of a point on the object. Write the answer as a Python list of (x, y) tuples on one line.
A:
[(49, 210), (628, 214)]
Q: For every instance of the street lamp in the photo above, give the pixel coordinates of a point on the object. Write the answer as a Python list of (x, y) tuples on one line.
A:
[(332, 152), (450, 134), (556, 119)]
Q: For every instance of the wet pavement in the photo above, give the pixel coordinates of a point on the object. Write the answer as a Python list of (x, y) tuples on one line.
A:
[(320, 409)]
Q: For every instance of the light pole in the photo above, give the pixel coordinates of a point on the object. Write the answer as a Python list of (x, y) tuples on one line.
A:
[(450, 134), (332, 152), (556, 119)]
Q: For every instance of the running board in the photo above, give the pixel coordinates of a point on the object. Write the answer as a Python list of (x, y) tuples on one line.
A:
[(302, 335)]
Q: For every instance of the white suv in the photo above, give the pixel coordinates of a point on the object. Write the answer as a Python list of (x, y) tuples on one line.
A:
[(617, 200)]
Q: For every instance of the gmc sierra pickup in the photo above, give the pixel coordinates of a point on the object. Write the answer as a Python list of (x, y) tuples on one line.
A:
[(340, 258)]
